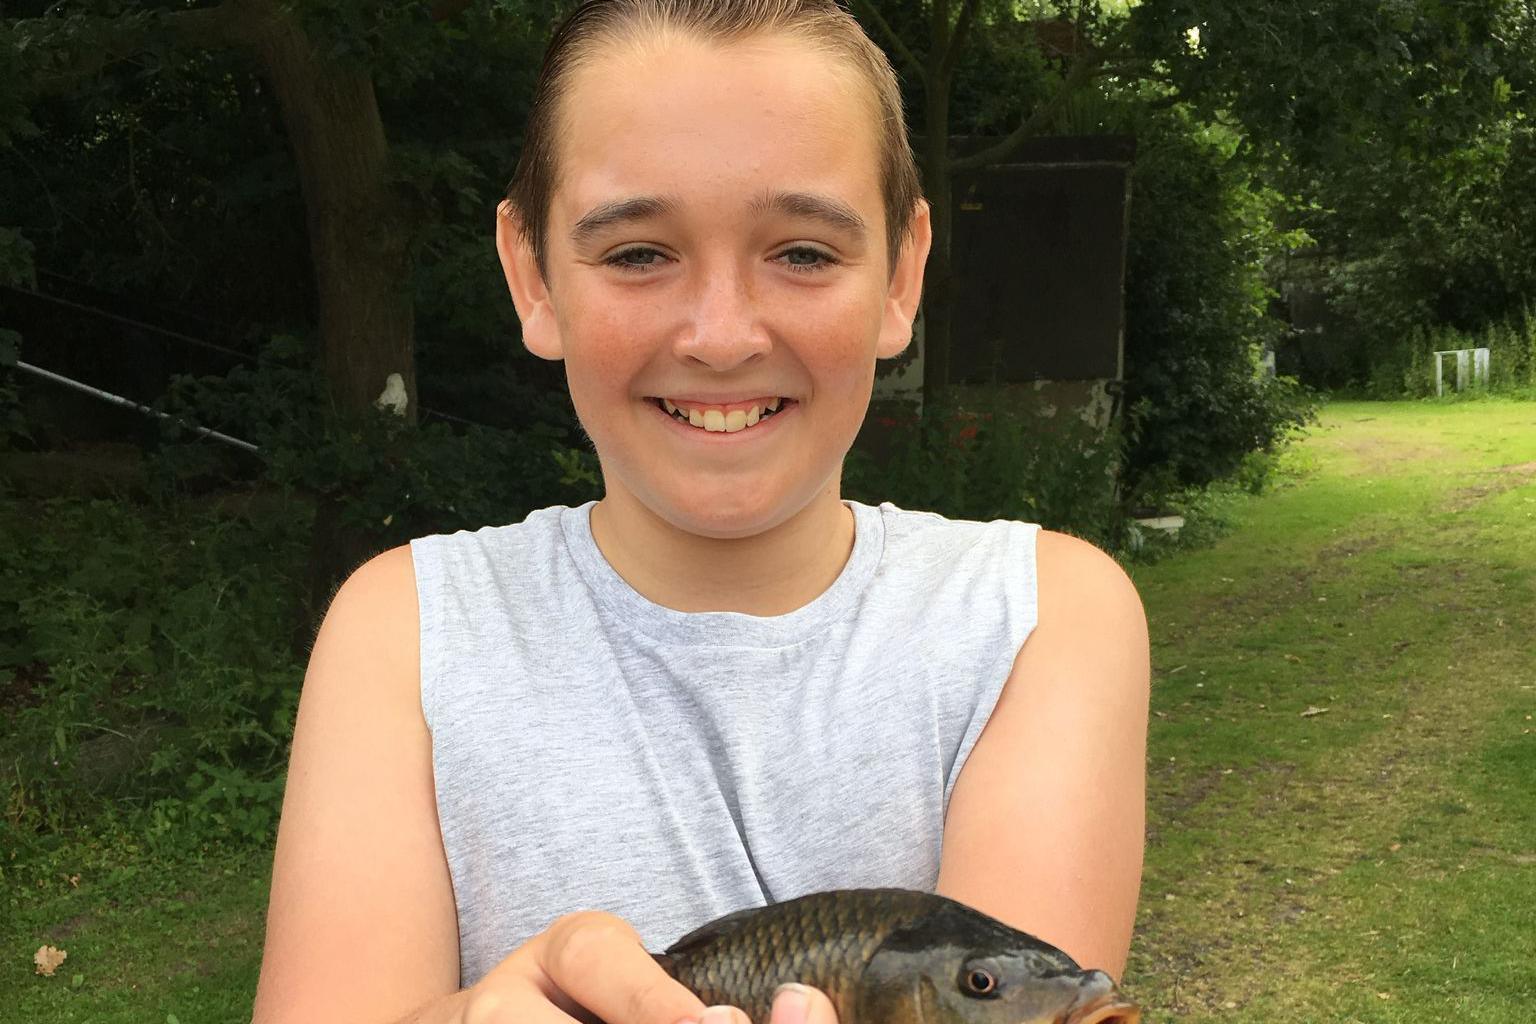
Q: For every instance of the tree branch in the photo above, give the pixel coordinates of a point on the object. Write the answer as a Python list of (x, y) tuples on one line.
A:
[(900, 46), (213, 28), (447, 10), (1083, 70), (84, 46), (957, 37)]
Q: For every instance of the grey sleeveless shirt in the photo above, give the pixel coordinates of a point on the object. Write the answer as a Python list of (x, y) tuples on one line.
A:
[(592, 749)]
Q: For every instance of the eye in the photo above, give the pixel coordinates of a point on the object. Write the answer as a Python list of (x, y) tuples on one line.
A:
[(980, 981), (803, 259), (637, 259)]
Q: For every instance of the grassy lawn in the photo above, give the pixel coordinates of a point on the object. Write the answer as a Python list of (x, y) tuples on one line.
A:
[(1342, 770), (1373, 860)]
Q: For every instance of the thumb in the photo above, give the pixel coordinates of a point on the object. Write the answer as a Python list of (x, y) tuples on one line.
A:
[(801, 1004)]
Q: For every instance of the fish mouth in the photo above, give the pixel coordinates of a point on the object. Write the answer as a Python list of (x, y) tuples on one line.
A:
[(1108, 1010)]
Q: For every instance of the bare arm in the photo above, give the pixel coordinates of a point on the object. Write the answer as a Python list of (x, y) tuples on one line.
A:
[(1045, 828), (361, 925)]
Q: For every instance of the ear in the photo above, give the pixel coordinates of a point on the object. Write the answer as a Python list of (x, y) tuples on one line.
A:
[(906, 289), (541, 332)]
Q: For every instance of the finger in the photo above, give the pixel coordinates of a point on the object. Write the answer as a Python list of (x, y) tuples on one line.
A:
[(725, 1015), (494, 1007), (597, 959), (801, 1004)]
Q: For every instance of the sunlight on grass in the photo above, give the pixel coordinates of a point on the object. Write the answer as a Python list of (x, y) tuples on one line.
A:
[(1342, 777)]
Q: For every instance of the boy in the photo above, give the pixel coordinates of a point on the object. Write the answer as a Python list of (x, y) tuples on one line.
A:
[(721, 685)]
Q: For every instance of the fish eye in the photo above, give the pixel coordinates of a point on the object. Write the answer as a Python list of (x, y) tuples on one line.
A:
[(979, 980)]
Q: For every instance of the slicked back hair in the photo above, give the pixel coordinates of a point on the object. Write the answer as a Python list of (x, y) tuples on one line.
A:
[(824, 24)]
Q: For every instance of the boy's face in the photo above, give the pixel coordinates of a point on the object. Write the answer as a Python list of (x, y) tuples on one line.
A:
[(717, 240)]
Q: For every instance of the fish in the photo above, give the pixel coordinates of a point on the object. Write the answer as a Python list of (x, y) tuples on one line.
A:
[(892, 956)]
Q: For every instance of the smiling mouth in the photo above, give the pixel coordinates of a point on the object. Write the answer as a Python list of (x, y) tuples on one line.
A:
[(723, 420)]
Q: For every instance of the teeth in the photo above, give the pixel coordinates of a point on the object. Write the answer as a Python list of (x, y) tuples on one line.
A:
[(717, 422)]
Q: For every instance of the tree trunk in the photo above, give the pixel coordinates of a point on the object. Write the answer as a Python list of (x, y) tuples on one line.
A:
[(358, 235), (938, 289), (357, 230), (938, 279)]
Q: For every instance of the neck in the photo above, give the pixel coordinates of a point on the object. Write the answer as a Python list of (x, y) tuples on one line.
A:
[(771, 573)]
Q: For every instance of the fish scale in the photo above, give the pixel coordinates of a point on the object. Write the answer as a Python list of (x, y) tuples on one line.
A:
[(822, 940), (894, 956)]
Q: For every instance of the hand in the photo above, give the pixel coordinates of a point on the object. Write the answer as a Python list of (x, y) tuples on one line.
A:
[(587, 967), (591, 967), (792, 1004)]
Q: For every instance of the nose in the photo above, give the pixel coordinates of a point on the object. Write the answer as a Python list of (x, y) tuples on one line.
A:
[(724, 328)]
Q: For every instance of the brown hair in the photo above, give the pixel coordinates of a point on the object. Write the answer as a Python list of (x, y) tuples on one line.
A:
[(822, 22)]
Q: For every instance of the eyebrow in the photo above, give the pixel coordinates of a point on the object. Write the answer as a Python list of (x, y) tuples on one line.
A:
[(621, 211), (833, 212)]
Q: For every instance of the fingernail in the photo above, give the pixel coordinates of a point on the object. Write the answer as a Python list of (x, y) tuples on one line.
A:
[(717, 1015), (791, 1005)]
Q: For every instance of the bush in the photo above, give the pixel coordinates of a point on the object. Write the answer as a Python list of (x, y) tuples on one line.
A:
[(1407, 369), (982, 458), (1197, 311), (151, 649), (391, 479), (148, 655)]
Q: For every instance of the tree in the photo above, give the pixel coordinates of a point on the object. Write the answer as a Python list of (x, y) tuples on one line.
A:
[(367, 204), (1396, 132), (935, 66)]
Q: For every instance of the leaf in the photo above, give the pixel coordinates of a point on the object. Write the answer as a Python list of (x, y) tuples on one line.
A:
[(10, 347), (1313, 712), (48, 960)]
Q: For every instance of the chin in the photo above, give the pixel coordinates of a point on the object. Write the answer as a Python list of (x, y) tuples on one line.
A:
[(726, 522), (727, 512)]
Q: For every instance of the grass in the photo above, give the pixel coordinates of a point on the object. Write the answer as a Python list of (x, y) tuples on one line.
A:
[(1372, 861), (152, 935)]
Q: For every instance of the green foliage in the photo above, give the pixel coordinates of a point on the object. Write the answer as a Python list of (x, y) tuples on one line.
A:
[(13, 423), (1210, 512), (149, 660), (981, 458), (16, 267), (1340, 78), (392, 480), (160, 169), (1407, 368), (1405, 132), (1197, 311), (16, 270)]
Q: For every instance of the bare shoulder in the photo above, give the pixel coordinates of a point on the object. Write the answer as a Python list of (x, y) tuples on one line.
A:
[(1074, 577), (379, 598), (361, 924)]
